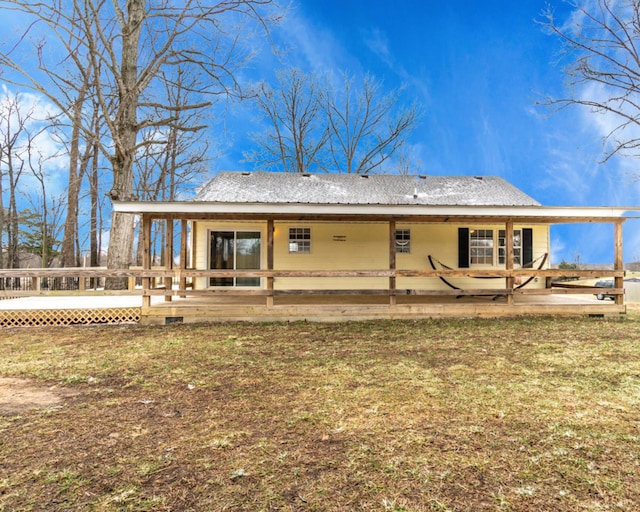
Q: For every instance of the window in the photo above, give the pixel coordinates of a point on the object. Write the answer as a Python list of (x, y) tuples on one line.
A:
[(300, 240), (476, 247), (517, 247), (403, 240), (481, 246)]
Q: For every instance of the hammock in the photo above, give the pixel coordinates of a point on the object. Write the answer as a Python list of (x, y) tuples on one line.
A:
[(542, 258)]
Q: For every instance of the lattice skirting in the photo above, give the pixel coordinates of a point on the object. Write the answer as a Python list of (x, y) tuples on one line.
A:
[(19, 318)]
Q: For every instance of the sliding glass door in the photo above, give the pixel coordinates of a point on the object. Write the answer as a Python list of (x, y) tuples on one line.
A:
[(234, 250)]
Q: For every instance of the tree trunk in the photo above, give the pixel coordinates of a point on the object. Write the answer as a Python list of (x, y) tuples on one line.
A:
[(2, 221), (13, 226), (67, 251), (122, 224)]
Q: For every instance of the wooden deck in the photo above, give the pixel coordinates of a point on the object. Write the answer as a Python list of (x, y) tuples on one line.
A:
[(324, 308), (65, 296), (91, 309)]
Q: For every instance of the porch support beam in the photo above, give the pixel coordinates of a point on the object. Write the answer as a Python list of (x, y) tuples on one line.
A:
[(618, 263), (183, 254), (168, 256), (270, 244), (510, 281), (392, 262), (146, 258)]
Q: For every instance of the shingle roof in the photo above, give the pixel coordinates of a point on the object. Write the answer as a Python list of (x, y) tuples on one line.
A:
[(352, 189)]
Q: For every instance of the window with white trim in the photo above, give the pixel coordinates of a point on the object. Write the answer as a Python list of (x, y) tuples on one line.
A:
[(481, 246), (517, 247), (403, 241), (300, 240)]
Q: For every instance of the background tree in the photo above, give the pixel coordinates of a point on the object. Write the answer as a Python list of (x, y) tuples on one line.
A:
[(175, 158), (26, 146), (366, 125), (601, 47), (40, 223), (316, 126), (297, 133), (130, 47), (15, 141)]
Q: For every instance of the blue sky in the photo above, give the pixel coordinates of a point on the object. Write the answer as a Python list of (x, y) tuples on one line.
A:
[(478, 69)]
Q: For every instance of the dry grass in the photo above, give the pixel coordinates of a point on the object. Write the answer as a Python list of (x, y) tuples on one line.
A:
[(514, 415)]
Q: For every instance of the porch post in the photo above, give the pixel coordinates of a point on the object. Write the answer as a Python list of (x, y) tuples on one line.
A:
[(183, 255), (509, 259), (618, 259), (168, 257), (392, 262), (270, 279), (146, 258)]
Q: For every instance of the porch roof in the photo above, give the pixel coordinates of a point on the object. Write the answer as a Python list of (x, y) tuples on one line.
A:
[(379, 197), (216, 209)]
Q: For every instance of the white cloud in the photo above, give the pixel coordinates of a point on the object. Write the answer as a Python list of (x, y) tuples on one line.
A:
[(312, 47), (378, 43)]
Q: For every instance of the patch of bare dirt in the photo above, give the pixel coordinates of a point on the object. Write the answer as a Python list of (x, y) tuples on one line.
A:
[(20, 395)]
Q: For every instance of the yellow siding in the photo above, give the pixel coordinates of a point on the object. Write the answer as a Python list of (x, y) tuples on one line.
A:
[(334, 246), (363, 246)]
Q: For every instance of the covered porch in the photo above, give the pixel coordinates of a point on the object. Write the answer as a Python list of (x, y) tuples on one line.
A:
[(417, 292), (169, 292)]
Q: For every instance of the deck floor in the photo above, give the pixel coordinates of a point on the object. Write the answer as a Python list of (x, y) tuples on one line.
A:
[(328, 308), (101, 301), (53, 310)]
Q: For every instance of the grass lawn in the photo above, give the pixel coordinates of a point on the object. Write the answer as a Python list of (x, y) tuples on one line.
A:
[(461, 415)]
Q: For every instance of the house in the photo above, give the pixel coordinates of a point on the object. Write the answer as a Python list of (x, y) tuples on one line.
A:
[(442, 238), (347, 227)]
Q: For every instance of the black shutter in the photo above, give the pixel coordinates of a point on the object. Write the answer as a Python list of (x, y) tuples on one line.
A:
[(463, 247), (527, 247)]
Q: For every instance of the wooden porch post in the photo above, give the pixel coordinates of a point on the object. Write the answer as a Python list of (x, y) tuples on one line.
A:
[(392, 262), (509, 259), (146, 258), (168, 257), (618, 259), (183, 255), (270, 280)]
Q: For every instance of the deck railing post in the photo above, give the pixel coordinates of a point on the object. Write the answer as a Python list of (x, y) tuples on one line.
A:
[(510, 281), (146, 259), (183, 256), (618, 260), (168, 258)]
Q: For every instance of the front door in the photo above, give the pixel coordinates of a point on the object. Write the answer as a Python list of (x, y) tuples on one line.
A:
[(234, 250)]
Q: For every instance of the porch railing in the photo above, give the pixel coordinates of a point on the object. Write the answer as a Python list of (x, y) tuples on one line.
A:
[(150, 282)]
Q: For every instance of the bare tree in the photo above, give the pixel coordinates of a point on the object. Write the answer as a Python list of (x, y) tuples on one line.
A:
[(45, 213), (128, 45), (296, 140), (367, 126), (315, 126), (601, 46), (174, 157), (14, 142)]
